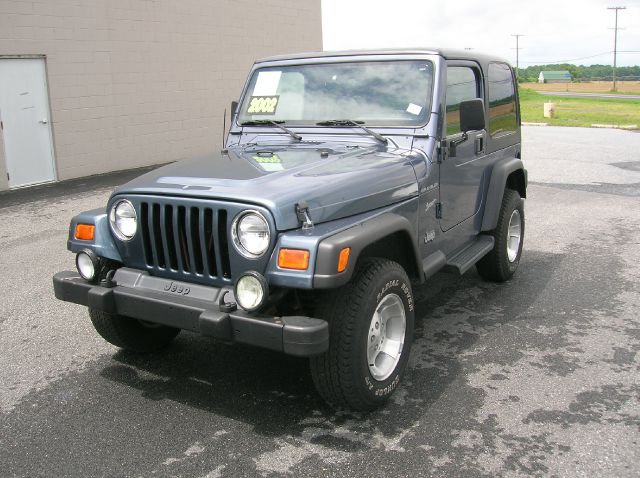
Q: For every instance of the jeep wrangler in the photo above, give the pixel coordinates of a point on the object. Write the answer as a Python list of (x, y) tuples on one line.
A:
[(345, 178)]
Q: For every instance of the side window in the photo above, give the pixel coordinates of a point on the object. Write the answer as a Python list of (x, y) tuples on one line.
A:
[(502, 100), (462, 85)]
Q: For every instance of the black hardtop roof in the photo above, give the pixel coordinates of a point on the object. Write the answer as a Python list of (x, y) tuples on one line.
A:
[(449, 54)]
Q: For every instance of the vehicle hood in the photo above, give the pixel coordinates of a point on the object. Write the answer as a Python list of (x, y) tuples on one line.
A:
[(334, 179)]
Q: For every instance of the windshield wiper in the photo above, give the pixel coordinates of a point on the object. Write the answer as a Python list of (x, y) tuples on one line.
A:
[(357, 124), (277, 124)]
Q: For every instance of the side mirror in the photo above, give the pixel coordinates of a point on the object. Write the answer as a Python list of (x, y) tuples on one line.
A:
[(234, 107), (472, 115)]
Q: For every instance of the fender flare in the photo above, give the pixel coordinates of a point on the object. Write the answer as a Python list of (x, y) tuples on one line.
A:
[(499, 174), (357, 238), (103, 244)]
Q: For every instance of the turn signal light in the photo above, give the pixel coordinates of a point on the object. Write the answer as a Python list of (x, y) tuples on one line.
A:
[(293, 259), (85, 232), (343, 259)]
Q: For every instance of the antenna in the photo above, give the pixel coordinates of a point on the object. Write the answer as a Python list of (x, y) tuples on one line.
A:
[(224, 125)]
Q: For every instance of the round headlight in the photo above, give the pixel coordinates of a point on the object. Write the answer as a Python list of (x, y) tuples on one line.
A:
[(87, 264), (123, 219), (250, 232), (251, 291)]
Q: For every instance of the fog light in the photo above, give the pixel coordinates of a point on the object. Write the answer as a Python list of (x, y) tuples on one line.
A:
[(87, 264), (251, 291)]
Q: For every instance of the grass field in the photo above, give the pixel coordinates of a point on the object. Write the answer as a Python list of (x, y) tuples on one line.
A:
[(579, 111), (587, 87)]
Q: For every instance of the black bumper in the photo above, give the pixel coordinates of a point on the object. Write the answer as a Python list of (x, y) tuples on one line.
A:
[(150, 299)]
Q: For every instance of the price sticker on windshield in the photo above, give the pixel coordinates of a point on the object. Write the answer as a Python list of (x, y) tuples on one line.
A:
[(263, 105)]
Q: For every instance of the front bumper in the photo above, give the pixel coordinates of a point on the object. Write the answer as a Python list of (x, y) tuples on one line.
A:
[(193, 307)]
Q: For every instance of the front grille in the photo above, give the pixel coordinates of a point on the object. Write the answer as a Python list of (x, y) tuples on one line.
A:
[(185, 239)]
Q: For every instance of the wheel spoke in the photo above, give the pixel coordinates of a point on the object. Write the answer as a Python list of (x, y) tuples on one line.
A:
[(392, 348), (394, 328), (385, 311)]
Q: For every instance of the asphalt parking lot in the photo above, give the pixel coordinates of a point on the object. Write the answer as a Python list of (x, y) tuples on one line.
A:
[(539, 376)]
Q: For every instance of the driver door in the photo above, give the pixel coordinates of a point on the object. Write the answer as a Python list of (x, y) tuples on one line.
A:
[(461, 175)]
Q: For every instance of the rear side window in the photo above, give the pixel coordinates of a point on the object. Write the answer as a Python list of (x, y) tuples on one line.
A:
[(462, 85), (502, 100)]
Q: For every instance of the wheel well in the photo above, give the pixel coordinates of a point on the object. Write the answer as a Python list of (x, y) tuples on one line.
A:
[(395, 247), (516, 182)]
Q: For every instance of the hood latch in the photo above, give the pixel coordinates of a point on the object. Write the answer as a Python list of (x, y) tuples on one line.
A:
[(302, 211)]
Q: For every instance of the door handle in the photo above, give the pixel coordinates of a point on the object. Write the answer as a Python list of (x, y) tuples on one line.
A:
[(43, 121)]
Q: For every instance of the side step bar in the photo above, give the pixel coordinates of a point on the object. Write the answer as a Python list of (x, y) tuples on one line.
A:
[(466, 258)]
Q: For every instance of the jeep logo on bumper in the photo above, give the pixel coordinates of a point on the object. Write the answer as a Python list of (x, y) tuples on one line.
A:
[(176, 288)]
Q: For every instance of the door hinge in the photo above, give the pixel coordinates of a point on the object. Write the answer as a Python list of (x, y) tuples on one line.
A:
[(439, 210), (443, 150)]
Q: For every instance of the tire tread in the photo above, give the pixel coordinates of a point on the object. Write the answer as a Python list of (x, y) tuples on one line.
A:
[(495, 265), (128, 333), (332, 372)]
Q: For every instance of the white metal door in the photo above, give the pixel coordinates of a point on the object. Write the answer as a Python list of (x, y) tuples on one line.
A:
[(26, 129)]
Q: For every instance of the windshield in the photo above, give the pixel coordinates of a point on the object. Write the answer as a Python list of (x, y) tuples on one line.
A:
[(377, 93)]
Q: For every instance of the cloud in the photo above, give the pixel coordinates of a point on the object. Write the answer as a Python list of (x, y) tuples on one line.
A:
[(553, 30)]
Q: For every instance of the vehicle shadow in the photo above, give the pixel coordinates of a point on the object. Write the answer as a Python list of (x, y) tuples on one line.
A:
[(275, 393), (236, 381), (147, 414)]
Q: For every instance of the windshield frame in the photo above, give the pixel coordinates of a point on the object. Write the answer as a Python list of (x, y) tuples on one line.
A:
[(369, 58)]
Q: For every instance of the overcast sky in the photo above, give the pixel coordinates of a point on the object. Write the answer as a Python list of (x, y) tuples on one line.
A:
[(554, 30)]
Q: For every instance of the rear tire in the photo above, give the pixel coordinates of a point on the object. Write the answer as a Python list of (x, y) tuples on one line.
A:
[(379, 293), (131, 334), (501, 263)]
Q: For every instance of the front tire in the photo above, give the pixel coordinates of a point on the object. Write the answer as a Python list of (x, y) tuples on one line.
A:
[(501, 263), (131, 334), (371, 323)]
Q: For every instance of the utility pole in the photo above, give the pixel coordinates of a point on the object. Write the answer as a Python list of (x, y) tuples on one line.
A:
[(517, 53), (615, 44)]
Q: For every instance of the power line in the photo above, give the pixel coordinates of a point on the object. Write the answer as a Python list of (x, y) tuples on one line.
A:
[(551, 62), (615, 44)]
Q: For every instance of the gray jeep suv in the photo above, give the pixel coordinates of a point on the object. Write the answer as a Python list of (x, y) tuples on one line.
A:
[(346, 177)]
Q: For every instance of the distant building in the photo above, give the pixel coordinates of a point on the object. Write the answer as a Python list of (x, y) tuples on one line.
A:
[(554, 77), (93, 87)]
